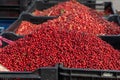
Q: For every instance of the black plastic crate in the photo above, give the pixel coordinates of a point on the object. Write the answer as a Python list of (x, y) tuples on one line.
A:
[(109, 7), (114, 18), (9, 12), (41, 5), (62, 73), (13, 8), (113, 40), (89, 3), (22, 4), (28, 17), (9, 2), (105, 8)]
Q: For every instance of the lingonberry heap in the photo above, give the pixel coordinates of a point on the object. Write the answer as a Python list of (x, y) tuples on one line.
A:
[(74, 16), (50, 45), (63, 8)]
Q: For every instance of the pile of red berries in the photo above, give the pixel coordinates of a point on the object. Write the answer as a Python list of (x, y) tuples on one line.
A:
[(74, 16), (48, 46)]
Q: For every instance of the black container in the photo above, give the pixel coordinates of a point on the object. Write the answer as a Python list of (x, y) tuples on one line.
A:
[(27, 17), (89, 3), (62, 73), (109, 6), (13, 2), (41, 5), (113, 40), (114, 18), (9, 13), (22, 4), (9, 2), (13, 8)]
